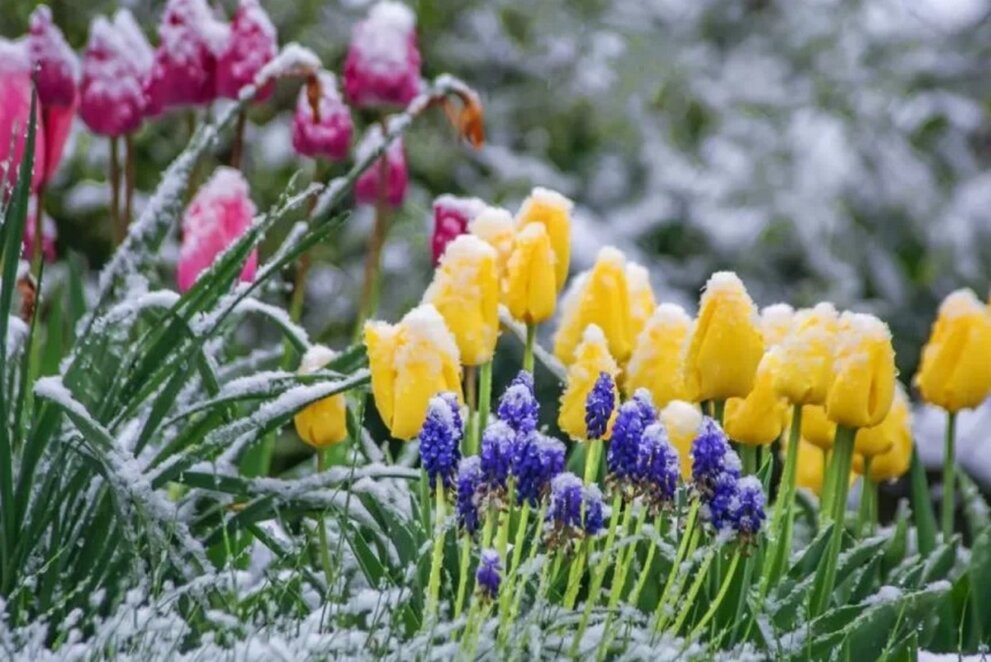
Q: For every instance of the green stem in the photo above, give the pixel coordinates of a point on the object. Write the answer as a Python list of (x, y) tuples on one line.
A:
[(715, 603), (575, 576), (748, 455), (507, 593), (949, 478), (626, 554), (718, 410), (592, 459), (470, 389), (463, 576), (531, 337), (634, 596), (322, 530), (839, 470), (115, 225), (531, 555), (437, 558), (688, 538), (868, 494), (783, 520), (599, 574), (689, 601), (484, 400)]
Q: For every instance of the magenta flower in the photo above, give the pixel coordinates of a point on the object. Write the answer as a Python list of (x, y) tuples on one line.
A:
[(116, 64), (368, 187), (219, 214), (48, 236), (253, 43), (57, 65), (185, 65), (329, 137), (383, 62), (451, 217), (15, 110)]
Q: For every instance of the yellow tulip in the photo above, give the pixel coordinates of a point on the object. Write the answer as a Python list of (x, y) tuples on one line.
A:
[(324, 422), (955, 371), (889, 445), (411, 362), (657, 360), (553, 211), (811, 466), (775, 323), (806, 356), (465, 291), (528, 289), (817, 429), (725, 344), (682, 421), (642, 300), (592, 358), (495, 227), (864, 383), (600, 297), (756, 420)]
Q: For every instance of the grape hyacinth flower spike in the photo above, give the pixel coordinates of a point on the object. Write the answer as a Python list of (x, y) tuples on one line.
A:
[(488, 575), (518, 406), (469, 484), (537, 459), (633, 418), (440, 440), (575, 511), (599, 406), (496, 456), (747, 510), (711, 457), (657, 468)]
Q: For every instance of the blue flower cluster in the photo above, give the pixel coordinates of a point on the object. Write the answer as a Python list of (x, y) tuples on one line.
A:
[(466, 504), (518, 406), (498, 442), (440, 439), (747, 513), (536, 460), (624, 446), (487, 577), (575, 510), (711, 457), (599, 406), (657, 468)]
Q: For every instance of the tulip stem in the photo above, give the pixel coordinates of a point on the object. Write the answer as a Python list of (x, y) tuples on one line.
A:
[(237, 148), (128, 181), (437, 558), (839, 477), (37, 247), (531, 337), (748, 454), (949, 477), (867, 514), (484, 398), (322, 529), (115, 228), (718, 409), (373, 258), (783, 520), (592, 457)]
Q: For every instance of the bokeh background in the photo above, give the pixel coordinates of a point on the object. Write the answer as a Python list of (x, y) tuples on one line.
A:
[(824, 149)]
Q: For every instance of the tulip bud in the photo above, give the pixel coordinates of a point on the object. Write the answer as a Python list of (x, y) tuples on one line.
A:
[(383, 61), (528, 289), (897, 428), (806, 356), (881, 439), (322, 423), (682, 421), (601, 297), (495, 227), (757, 419), (817, 429), (465, 291), (330, 135), (864, 384), (725, 345), (451, 217), (218, 215), (592, 358), (116, 64), (657, 362), (56, 63), (955, 372), (411, 362), (368, 188), (185, 67), (553, 211), (642, 300), (776, 323), (15, 111), (252, 44)]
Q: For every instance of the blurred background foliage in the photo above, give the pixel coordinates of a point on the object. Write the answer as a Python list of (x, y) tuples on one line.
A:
[(828, 149)]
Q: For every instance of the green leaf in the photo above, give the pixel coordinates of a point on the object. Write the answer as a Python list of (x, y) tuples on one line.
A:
[(925, 520), (979, 572)]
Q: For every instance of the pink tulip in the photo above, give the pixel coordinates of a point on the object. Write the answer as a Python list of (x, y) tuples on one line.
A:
[(48, 236), (253, 43), (383, 62), (331, 135), (117, 61), (15, 110), (185, 67), (57, 64), (366, 189), (451, 217), (219, 214)]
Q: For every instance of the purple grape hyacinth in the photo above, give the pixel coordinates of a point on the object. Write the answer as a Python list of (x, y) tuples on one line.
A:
[(518, 406), (488, 577), (599, 406), (711, 457), (631, 420), (658, 468), (496, 454), (747, 510), (575, 511), (469, 482), (440, 439), (537, 459)]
